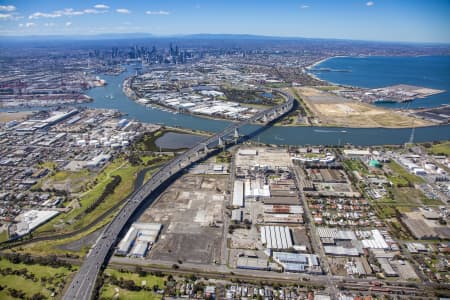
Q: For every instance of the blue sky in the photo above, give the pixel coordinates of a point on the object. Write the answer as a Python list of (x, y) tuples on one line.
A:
[(384, 20)]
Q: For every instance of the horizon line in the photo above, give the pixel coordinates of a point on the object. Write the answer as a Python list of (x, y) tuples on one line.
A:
[(93, 35)]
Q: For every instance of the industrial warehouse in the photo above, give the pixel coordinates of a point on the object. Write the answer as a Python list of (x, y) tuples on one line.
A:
[(276, 237), (265, 195), (139, 239)]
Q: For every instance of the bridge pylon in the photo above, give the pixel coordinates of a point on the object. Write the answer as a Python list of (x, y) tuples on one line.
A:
[(236, 133)]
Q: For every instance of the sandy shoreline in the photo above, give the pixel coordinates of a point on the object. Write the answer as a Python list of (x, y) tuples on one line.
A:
[(324, 60), (309, 67)]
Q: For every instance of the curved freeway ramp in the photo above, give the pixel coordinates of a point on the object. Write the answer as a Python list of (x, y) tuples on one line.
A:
[(83, 284)]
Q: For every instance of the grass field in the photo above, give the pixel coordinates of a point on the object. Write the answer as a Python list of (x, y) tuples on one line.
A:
[(404, 199), (147, 143), (52, 247), (3, 236), (51, 165), (108, 291), (71, 221), (355, 165), (440, 149), (301, 102), (71, 181), (406, 196), (154, 159), (400, 176), (47, 279), (111, 291), (150, 280), (327, 88)]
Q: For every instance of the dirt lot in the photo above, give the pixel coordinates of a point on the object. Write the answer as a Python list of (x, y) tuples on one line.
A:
[(333, 110), (187, 209), (271, 157), (10, 116)]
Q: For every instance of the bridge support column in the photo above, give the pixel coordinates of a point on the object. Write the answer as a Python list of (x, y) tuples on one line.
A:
[(236, 133), (221, 143)]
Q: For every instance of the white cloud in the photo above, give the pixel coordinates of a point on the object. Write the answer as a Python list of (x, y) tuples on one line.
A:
[(123, 11), (304, 6), (65, 12), (6, 16), (38, 15), (68, 24), (370, 3), (159, 12), (30, 24), (101, 6), (94, 11), (51, 24), (70, 12), (7, 8)]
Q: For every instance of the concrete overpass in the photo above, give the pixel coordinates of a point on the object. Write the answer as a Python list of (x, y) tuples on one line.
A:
[(83, 284)]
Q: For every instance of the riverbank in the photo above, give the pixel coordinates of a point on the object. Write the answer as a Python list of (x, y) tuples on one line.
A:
[(288, 135)]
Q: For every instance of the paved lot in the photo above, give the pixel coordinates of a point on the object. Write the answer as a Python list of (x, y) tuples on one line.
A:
[(271, 157), (191, 212)]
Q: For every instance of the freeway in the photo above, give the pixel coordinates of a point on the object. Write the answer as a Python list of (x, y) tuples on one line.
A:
[(83, 284)]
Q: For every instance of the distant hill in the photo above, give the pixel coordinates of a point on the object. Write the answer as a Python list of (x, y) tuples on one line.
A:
[(196, 37), (105, 36)]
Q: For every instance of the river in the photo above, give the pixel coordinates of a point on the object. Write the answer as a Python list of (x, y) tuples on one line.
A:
[(295, 135), (275, 135)]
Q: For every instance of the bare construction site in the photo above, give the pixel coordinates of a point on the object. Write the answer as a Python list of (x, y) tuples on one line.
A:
[(333, 110), (191, 212)]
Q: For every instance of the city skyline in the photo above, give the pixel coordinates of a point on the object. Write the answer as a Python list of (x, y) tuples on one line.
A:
[(401, 21)]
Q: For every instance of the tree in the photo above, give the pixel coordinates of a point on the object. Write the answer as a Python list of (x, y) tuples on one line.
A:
[(140, 271), (38, 296)]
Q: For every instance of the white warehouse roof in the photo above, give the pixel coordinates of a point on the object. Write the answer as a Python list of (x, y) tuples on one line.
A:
[(376, 242), (276, 237), (32, 219), (238, 193)]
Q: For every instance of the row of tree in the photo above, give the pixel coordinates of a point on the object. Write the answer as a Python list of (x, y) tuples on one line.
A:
[(109, 189), (50, 260)]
